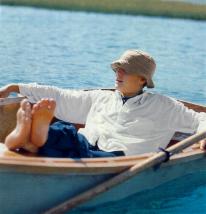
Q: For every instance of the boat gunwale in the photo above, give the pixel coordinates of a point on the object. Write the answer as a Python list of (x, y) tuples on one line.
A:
[(47, 165)]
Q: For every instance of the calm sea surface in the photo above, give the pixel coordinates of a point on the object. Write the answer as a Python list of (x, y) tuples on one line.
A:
[(75, 49)]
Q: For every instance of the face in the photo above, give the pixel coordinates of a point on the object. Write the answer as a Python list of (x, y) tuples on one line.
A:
[(128, 84)]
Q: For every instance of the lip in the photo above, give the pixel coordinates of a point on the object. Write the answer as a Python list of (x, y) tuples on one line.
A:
[(119, 81)]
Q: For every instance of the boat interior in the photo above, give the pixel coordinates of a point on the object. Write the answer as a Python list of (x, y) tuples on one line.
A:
[(8, 109)]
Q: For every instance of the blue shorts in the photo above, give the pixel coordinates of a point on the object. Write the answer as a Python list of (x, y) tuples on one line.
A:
[(64, 141)]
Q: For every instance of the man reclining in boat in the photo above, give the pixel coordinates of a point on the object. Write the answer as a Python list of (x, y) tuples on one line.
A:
[(128, 121)]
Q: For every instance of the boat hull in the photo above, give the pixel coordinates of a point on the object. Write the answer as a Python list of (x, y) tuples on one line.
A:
[(27, 189)]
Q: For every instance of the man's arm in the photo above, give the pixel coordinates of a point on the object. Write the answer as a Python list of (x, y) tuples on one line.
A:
[(72, 105)]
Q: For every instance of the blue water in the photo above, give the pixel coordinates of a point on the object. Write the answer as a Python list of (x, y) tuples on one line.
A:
[(183, 195), (75, 49)]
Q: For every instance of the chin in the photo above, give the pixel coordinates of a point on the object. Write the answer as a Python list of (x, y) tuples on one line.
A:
[(118, 88)]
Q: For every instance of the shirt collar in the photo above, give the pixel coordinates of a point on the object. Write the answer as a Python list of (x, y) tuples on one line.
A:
[(139, 98)]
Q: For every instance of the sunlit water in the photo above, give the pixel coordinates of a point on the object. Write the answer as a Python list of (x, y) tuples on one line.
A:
[(75, 49)]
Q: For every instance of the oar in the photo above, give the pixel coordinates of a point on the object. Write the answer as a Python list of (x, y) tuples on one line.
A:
[(132, 171)]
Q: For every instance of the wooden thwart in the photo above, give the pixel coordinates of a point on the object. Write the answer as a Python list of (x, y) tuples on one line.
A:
[(129, 173)]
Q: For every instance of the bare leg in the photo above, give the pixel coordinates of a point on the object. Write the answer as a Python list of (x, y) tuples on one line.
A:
[(19, 137), (42, 114)]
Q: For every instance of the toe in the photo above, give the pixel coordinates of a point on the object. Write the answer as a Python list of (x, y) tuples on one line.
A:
[(24, 103), (35, 107), (52, 103), (44, 103)]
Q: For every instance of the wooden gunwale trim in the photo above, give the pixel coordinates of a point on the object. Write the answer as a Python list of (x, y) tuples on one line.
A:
[(82, 166), (68, 162), (194, 106), (6, 154), (87, 170), (84, 162)]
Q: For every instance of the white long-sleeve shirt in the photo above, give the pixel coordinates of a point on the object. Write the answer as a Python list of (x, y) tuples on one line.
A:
[(143, 124)]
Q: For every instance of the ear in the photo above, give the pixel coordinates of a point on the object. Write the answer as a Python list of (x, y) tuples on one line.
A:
[(143, 81)]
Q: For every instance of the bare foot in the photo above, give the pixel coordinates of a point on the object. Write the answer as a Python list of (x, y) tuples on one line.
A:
[(42, 114), (19, 137)]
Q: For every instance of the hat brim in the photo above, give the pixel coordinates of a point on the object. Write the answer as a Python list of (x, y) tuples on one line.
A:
[(118, 64), (122, 64)]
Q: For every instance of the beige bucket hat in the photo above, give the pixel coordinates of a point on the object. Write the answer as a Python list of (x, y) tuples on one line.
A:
[(139, 62)]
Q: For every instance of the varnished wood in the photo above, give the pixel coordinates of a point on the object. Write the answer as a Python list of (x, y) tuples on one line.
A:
[(20, 163), (195, 107)]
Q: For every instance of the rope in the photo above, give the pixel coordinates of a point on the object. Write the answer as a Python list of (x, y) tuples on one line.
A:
[(168, 154)]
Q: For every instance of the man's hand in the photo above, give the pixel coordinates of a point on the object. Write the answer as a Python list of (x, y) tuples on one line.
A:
[(6, 90), (203, 144)]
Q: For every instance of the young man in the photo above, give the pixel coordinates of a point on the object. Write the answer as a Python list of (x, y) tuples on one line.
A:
[(128, 121)]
